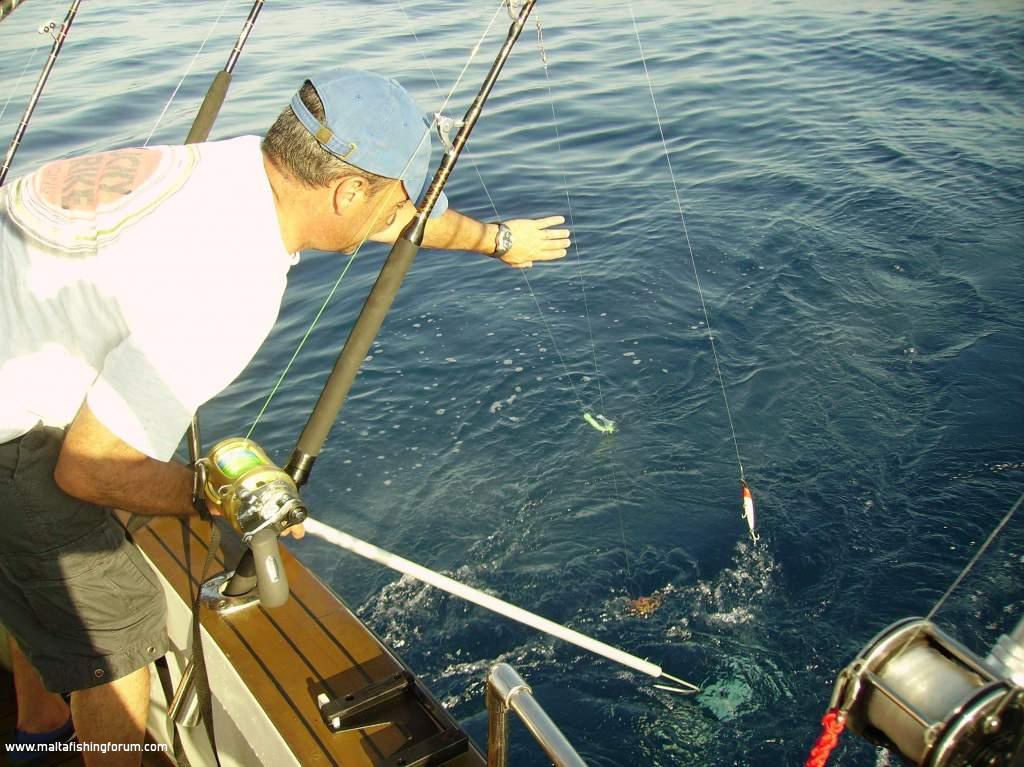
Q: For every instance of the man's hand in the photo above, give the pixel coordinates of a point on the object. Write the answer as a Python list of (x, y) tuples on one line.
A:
[(533, 239), (295, 531)]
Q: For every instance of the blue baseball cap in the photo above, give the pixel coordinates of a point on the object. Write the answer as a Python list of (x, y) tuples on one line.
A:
[(371, 122)]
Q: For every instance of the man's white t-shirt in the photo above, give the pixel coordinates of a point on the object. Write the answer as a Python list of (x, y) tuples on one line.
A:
[(141, 281)]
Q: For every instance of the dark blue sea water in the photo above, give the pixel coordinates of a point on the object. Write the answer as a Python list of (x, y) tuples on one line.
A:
[(853, 181)]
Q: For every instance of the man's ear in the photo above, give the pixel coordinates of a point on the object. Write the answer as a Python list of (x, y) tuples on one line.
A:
[(349, 190)]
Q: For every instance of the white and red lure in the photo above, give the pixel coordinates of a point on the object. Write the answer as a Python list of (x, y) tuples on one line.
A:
[(748, 511)]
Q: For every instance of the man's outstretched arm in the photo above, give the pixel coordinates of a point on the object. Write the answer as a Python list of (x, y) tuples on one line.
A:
[(533, 239)]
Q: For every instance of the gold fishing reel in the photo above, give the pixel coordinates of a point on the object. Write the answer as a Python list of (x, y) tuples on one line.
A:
[(259, 500), (921, 694), (252, 493)]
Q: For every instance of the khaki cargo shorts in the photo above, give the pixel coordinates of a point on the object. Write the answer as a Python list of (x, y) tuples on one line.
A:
[(77, 594)]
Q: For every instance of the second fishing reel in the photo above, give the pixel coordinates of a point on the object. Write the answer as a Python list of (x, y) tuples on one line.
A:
[(921, 694), (260, 501)]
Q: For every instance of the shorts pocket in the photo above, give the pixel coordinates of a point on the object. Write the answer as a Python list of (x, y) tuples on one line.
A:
[(92, 593)]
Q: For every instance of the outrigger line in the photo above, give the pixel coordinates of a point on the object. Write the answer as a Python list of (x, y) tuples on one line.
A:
[(745, 494), (192, 63), (31, 56), (499, 606)]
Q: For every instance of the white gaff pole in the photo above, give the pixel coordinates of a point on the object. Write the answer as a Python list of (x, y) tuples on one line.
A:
[(443, 582)]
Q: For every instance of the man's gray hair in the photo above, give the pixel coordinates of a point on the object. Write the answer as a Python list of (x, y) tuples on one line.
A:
[(290, 146)]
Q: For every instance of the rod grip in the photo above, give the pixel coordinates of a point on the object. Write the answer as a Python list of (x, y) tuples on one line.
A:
[(270, 574), (207, 115)]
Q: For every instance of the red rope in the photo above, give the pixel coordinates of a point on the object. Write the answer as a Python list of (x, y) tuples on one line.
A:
[(832, 725)]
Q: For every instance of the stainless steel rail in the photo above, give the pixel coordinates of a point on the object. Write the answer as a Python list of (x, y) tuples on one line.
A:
[(507, 690)]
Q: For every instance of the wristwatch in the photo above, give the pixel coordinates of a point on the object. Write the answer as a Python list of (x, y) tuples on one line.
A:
[(502, 241)]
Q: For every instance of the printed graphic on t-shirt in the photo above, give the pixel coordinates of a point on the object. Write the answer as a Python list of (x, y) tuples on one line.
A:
[(76, 205), (85, 184)]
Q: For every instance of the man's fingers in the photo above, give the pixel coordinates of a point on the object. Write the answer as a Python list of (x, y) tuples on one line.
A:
[(562, 243), (544, 223), (557, 234)]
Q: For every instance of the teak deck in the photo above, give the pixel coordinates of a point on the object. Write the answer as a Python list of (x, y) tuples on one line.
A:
[(287, 657), (312, 644)]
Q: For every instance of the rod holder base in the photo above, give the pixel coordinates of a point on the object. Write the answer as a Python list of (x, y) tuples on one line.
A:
[(213, 597)]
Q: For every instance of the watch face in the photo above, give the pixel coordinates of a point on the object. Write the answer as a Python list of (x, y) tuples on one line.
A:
[(504, 240)]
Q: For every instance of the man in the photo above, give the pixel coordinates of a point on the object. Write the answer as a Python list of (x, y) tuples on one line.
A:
[(101, 259)]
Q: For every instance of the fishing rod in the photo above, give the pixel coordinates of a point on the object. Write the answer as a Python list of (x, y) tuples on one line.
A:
[(263, 541), (262, 500), (372, 315), (200, 131), (58, 43), (336, 390), (218, 91), (7, 7)]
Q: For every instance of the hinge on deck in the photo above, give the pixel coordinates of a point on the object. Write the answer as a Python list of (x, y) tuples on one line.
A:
[(360, 708), (378, 703)]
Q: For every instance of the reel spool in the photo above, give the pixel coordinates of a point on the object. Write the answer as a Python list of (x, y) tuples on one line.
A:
[(921, 694), (259, 500)]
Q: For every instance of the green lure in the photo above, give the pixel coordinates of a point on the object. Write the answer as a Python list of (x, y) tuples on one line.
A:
[(599, 422)]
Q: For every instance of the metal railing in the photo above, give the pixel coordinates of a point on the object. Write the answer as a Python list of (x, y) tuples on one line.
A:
[(506, 690)]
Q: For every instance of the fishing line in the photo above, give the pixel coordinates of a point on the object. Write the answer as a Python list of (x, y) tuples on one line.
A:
[(32, 55), (631, 578), (686, 233), (572, 212), (576, 246), (421, 47), (497, 215), (747, 498), (188, 69), (366, 233), (963, 573)]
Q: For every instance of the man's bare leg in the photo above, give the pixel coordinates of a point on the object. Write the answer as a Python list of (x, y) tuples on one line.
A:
[(113, 713), (39, 710)]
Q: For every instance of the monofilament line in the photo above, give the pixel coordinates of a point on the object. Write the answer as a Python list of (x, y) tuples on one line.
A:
[(974, 560), (583, 287), (188, 69), (17, 85), (572, 214), (497, 216), (366, 234), (686, 233), (576, 246), (963, 573)]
